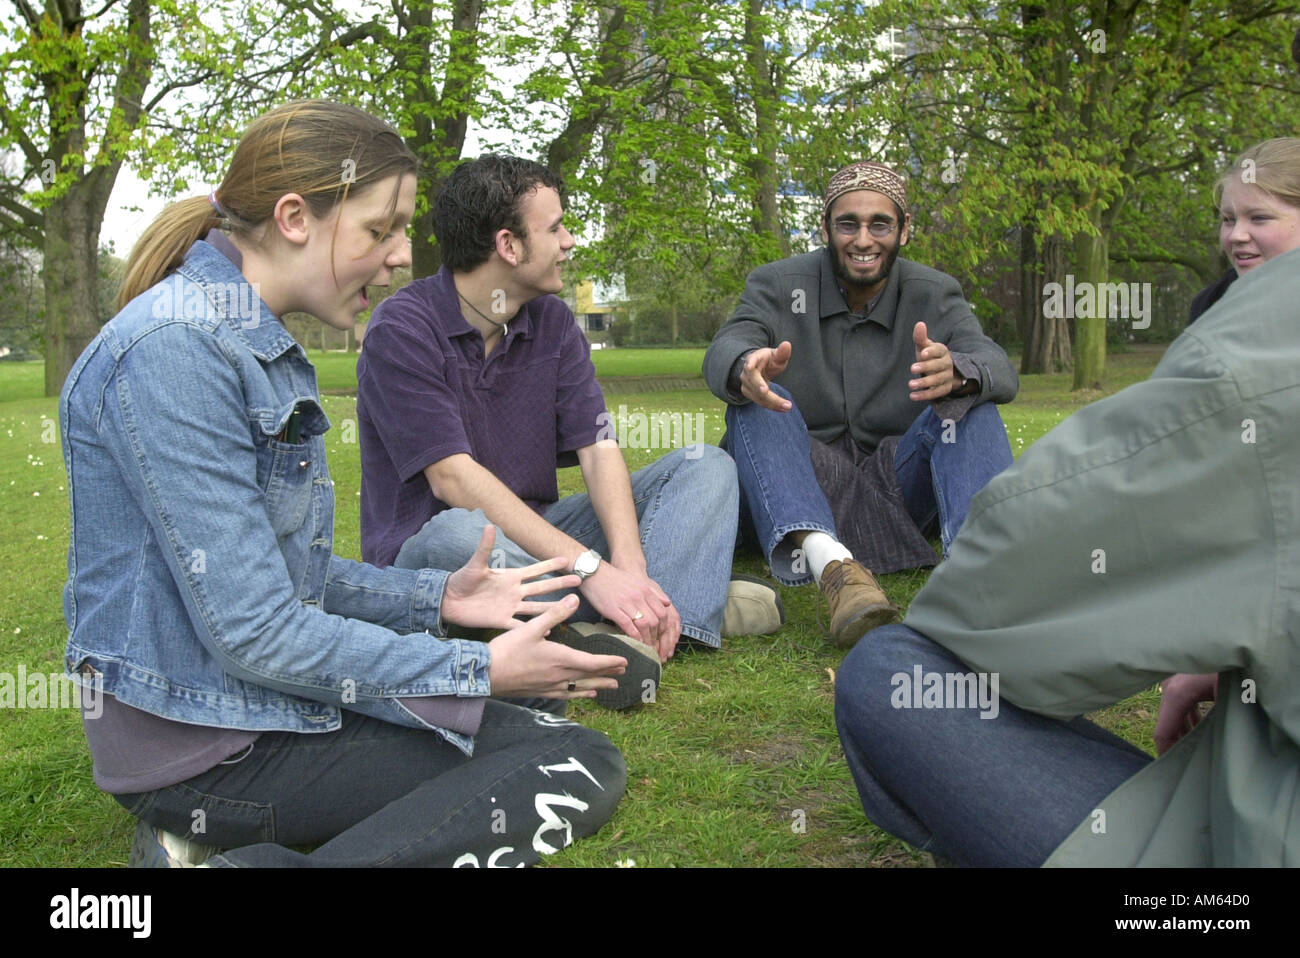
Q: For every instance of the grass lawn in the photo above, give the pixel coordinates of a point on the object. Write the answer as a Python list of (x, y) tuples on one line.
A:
[(21, 380), (740, 747)]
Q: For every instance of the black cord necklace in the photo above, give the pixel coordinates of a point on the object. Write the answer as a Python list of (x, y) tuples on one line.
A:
[(503, 325)]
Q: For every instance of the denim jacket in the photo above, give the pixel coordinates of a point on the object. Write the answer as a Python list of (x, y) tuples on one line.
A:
[(202, 586)]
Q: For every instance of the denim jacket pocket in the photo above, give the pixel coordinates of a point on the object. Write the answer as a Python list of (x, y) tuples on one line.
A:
[(286, 470)]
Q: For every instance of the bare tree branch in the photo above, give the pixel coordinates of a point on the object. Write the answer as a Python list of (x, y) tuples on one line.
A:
[(23, 219), (108, 5), (30, 15)]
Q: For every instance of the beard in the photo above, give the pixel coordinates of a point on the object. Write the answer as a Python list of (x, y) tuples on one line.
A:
[(851, 280)]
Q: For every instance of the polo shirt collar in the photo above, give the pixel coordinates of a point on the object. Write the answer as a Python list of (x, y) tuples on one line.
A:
[(446, 306)]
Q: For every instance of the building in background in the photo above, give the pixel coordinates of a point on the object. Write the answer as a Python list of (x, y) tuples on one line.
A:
[(598, 306)]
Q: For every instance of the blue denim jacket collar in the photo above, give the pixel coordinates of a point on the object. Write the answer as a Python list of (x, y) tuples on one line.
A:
[(263, 334)]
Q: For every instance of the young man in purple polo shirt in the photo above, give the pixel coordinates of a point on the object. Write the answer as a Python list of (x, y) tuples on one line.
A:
[(476, 382)]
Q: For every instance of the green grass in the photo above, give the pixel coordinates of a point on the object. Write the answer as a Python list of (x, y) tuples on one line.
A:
[(22, 380), (740, 746), (336, 372), (647, 362)]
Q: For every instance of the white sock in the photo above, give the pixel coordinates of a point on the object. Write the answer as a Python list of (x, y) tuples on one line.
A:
[(820, 549)]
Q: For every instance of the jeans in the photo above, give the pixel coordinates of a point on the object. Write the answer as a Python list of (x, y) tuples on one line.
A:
[(939, 464), (1001, 790), (374, 793), (939, 474), (686, 507)]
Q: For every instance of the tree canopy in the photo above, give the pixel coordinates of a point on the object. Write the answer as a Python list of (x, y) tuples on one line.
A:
[(1040, 140)]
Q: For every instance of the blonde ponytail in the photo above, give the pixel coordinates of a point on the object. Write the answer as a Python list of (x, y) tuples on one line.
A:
[(163, 246)]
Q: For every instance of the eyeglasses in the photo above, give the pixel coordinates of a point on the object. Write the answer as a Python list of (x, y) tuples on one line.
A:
[(852, 226)]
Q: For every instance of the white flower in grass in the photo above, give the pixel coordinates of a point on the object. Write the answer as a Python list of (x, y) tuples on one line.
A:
[(625, 863)]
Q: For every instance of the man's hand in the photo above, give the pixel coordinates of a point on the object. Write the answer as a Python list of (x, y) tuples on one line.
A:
[(525, 665), (934, 372), (1180, 696), (634, 603), (481, 597), (761, 367)]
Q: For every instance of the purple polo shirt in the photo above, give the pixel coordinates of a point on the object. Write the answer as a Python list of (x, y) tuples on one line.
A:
[(425, 392)]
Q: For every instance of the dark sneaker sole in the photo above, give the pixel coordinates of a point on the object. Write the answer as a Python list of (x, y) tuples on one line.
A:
[(639, 684), (871, 618)]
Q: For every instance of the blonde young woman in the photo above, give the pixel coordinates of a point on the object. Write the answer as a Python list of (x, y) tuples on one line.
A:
[(261, 692), (1259, 207)]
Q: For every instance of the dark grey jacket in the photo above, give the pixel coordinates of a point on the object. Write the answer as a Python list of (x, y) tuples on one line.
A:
[(850, 372)]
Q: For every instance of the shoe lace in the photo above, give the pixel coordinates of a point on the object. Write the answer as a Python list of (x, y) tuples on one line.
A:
[(829, 587), (833, 581)]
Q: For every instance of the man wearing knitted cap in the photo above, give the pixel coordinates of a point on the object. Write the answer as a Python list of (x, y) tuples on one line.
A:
[(860, 393)]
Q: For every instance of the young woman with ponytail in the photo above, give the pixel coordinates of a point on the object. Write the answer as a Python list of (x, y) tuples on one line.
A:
[(260, 694)]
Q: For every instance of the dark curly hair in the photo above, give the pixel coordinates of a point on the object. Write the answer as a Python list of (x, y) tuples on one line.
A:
[(481, 197)]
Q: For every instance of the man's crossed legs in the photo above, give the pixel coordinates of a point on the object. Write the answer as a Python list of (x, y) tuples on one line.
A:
[(685, 506), (938, 466)]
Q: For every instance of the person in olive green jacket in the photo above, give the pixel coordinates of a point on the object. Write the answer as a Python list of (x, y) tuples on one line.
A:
[(1153, 532)]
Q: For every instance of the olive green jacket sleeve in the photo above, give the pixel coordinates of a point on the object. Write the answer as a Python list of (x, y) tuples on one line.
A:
[(1155, 532)]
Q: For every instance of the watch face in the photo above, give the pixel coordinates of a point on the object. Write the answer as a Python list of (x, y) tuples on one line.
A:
[(586, 564)]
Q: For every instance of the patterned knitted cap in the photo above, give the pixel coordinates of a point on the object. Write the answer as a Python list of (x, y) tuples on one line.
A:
[(865, 175)]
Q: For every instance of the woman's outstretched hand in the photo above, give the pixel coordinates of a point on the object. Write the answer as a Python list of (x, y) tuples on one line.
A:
[(478, 596), (525, 665)]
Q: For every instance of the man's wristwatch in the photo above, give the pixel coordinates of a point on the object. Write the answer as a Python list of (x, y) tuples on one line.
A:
[(586, 564)]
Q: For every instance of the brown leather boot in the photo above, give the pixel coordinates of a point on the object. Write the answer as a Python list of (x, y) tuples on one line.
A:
[(857, 602)]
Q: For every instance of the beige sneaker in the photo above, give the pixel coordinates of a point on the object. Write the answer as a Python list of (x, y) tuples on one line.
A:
[(857, 602), (753, 607), (638, 684)]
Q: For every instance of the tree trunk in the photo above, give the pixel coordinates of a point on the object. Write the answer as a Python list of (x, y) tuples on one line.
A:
[(440, 132), (1092, 266), (1028, 276), (73, 219), (70, 271), (426, 258), (566, 152), (762, 161), (1047, 347)]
